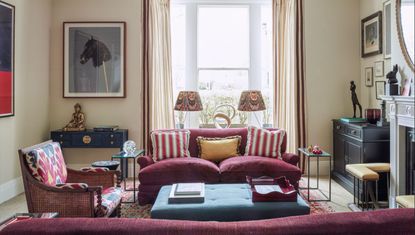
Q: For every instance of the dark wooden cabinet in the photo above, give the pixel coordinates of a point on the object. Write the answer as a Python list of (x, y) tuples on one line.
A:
[(90, 138), (358, 143)]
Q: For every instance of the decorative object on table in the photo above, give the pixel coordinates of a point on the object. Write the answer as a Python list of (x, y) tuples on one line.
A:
[(129, 147), (266, 114), (387, 29), (187, 193), (383, 121), (7, 19), (378, 69), (369, 76), (188, 101), (406, 87), (319, 154), (105, 128), (355, 100), (251, 101), (404, 20), (380, 89), (124, 157), (77, 122), (268, 189), (372, 115), (180, 120), (226, 115), (392, 88), (372, 35), (353, 120), (111, 165), (94, 59), (315, 149)]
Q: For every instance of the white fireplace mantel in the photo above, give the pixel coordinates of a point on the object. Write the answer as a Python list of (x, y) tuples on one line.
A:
[(401, 111)]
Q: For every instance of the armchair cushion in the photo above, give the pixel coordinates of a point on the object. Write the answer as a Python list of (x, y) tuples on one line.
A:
[(72, 186), (47, 165), (111, 198)]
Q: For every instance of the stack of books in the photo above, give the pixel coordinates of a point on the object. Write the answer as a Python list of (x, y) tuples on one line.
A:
[(187, 193)]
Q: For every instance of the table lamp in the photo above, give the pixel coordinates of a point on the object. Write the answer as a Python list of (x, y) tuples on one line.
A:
[(188, 101), (251, 101)]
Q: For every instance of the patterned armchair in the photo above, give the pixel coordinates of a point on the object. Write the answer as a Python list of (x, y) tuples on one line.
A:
[(51, 187)]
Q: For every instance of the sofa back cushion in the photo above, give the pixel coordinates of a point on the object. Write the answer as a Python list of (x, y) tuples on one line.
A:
[(170, 144), (220, 133), (264, 143), (47, 165)]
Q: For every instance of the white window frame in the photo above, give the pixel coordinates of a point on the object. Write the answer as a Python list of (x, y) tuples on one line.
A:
[(192, 69)]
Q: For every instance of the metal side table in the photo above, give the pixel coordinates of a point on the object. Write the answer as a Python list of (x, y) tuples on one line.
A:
[(310, 155), (123, 157)]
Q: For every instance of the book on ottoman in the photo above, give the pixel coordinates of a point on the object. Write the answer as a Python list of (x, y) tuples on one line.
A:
[(187, 193)]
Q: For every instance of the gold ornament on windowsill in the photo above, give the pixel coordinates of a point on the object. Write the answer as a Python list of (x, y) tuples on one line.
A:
[(78, 120)]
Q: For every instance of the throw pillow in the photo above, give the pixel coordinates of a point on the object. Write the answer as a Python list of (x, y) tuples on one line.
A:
[(218, 149), (261, 142), (170, 144)]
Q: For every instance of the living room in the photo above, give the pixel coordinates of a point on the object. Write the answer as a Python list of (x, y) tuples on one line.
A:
[(211, 69)]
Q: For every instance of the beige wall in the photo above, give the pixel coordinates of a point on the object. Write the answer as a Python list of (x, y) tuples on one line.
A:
[(332, 60), (368, 94), (30, 125), (123, 112)]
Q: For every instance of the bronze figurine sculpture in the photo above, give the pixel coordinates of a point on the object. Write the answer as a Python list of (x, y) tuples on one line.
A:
[(78, 120), (355, 100), (391, 76)]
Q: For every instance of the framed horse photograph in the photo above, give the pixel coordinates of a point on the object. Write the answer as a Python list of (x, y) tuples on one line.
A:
[(6, 59), (94, 59)]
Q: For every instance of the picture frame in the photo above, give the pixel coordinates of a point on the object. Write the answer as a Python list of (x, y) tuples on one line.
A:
[(380, 89), (371, 38), (7, 75), (94, 59), (379, 69), (369, 76), (387, 29)]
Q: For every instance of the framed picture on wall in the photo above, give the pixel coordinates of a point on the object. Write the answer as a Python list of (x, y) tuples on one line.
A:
[(372, 35), (6, 59), (369, 76), (380, 89), (94, 59), (387, 14), (379, 68)]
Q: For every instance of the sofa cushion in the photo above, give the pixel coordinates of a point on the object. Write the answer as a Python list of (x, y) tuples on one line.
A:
[(181, 170), (236, 169), (218, 149), (111, 198), (47, 165), (170, 144), (261, 142)]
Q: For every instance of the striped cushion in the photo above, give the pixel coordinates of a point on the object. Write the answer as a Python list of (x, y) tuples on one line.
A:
[(170, 144), (264, 143)]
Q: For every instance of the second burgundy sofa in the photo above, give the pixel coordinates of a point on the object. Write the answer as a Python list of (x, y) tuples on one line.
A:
[(153, 175)]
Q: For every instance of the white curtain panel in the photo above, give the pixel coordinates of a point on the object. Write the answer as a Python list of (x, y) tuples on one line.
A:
[(158, 84), (289, 90)]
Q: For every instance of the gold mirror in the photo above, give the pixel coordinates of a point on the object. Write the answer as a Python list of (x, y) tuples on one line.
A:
[(405, 19)]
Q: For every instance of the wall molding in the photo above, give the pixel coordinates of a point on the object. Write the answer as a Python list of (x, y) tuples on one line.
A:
[(11, 189)]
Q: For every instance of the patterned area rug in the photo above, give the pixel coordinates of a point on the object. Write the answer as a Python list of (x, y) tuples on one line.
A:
[(133, 210)]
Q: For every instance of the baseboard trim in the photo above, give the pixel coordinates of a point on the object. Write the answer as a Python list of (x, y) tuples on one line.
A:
[(11, 189)]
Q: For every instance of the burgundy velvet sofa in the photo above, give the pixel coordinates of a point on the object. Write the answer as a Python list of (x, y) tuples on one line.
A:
[(153, 175), (393, 221)]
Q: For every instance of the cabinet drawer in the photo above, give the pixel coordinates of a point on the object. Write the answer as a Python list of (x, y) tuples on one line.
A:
[(354, 132), (339, 128)]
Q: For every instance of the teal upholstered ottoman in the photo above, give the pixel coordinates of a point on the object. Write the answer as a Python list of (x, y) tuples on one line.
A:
[(225, 202)]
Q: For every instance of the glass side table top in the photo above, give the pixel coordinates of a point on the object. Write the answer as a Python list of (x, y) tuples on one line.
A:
[(122, 154), (310, 154)]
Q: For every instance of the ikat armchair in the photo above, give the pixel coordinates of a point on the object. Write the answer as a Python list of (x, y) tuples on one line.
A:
[(52, 187)]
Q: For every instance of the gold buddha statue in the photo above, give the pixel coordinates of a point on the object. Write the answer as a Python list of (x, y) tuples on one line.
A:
[(78, 120)]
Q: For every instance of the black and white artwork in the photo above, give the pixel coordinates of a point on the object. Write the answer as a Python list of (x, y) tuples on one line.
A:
[(94, 62)]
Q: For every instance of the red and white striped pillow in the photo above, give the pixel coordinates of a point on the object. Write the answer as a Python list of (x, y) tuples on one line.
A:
[(170, 144), (261, 142)]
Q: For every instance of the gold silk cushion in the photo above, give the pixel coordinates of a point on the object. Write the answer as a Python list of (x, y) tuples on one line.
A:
[(218, 149)]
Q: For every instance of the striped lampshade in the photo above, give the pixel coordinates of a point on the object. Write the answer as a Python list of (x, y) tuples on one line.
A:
[(251, 101), (188, 101)]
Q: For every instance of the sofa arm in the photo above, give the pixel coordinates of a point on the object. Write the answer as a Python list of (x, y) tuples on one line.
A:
[(291, 158), (145, 161)]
